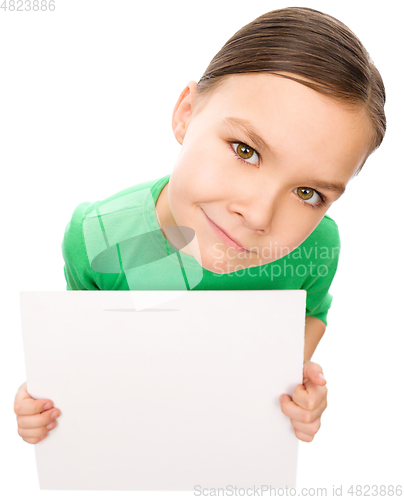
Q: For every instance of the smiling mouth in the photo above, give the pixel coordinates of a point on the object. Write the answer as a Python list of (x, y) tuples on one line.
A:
[(225, 237)]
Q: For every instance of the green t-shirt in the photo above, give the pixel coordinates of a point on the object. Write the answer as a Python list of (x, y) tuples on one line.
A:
[(117, 244)]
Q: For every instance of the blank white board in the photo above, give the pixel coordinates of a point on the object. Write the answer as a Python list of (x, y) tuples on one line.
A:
[(181, 395)]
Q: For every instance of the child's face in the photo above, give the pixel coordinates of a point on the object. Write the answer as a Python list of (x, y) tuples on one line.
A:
[(261, 203)]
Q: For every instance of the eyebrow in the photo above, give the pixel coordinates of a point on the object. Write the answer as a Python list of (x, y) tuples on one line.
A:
[(248, 128)]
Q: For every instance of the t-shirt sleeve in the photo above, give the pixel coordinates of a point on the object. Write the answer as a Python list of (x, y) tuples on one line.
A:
[(77, 270), (319, 299)]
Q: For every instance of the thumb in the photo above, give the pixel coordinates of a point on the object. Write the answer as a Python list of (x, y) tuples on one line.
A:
[(284, 398), (313, 373)]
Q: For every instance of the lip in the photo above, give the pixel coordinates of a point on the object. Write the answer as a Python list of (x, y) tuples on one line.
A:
[(225, 237)]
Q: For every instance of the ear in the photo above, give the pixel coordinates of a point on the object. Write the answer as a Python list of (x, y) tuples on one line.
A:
[(183, 111)]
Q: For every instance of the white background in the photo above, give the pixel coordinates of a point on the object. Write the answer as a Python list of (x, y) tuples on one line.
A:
[(86, 99)]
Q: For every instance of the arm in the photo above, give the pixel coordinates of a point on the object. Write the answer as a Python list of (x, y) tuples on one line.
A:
[(314, 330), (309, 400)]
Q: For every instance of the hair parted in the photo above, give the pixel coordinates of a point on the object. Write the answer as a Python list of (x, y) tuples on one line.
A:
[(307, 43)]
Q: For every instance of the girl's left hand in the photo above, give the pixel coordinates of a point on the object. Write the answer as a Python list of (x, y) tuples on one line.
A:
[(308, 402)]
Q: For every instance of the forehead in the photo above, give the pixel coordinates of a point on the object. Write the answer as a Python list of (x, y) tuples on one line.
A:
[(304, 126), (261, 93)]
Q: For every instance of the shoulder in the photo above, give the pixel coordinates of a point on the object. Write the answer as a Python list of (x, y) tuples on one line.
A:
[(322, 247), (326, 233), (95, 226), (329, 222), (73, 232), (153, 186), (121, 200)]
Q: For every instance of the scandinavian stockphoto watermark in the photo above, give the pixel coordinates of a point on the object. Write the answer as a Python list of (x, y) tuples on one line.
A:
[(276, 251), (275, 261)]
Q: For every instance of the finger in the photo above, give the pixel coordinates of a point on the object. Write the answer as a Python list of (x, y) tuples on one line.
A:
[(34, 440), (290, 408), (34, 433), (310, 429), (309, 396), (295, 412), (38, 420), (24, 404), (314, 373), (304, 437)]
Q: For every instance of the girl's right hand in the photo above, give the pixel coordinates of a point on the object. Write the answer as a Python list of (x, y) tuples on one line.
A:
[(34, 420)]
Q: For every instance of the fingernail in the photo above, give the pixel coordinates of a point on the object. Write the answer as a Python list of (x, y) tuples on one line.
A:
[(54, 414), (281, 399), (320, 375), (48, 406)]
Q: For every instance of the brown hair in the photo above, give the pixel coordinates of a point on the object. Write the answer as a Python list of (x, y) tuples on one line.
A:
[(309, 43)]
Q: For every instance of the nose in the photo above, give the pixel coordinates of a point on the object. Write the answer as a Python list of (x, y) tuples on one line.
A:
[(259, 202), (258, 216), (260, 210)]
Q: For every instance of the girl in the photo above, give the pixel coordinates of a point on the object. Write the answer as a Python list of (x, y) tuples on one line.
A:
[(286, 113)]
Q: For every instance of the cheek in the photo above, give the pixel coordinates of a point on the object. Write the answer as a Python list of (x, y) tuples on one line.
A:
[(205, 169), (301, 231), (202, 183), (290, 232)]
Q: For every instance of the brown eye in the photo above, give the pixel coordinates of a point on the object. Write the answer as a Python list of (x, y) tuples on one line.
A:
[(305, 193), (244, 151), (309, 194)]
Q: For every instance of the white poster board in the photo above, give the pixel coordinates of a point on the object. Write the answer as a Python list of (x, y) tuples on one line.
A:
[(171, 397)]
